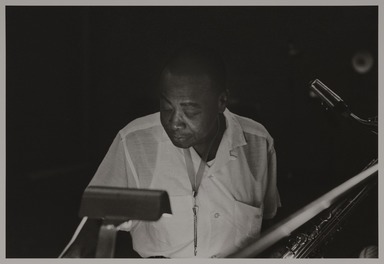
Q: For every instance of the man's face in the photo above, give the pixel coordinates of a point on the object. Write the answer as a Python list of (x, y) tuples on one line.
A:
[(189, 108)]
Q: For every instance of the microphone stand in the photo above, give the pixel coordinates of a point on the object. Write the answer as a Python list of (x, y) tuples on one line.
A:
[(331, 100)]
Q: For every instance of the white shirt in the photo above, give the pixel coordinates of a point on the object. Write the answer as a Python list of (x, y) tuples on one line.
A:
[(237, 191)]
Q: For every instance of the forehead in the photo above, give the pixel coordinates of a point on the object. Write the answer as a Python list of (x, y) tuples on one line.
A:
[(186, 85)]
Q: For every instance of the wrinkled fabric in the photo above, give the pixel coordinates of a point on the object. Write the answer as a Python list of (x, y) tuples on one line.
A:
[(237, 191)]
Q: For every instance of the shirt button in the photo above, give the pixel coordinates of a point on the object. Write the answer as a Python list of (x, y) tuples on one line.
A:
[(214, 256), (217, 215)]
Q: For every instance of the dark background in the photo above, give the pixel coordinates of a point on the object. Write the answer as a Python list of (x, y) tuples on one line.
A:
[(76, 75)]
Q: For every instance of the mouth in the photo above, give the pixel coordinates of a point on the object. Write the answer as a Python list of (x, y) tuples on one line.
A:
[(179, 138)]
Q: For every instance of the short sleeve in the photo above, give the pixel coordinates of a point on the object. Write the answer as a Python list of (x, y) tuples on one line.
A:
[(114, 170), (272, 197)]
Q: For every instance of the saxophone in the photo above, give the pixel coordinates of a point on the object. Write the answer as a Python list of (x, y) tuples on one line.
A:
[(312, 238)]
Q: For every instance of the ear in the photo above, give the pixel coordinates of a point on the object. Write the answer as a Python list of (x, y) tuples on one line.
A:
[(223, 100)]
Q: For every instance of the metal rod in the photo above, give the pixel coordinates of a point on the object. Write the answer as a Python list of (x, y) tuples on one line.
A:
[(106, 241)]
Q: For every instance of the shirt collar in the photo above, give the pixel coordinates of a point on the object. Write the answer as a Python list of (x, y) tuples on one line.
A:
[(234, 134)]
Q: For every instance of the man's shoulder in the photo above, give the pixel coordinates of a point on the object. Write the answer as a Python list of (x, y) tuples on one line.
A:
[(252, 127), (149, 124), (254, 132)]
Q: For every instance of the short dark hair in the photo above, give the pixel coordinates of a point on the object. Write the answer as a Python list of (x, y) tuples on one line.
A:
[(201, 60)]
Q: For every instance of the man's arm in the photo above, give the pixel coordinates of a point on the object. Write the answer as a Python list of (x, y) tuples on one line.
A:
[(112, 172)]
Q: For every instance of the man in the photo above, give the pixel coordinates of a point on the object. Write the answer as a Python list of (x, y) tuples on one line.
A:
[(218, 168)]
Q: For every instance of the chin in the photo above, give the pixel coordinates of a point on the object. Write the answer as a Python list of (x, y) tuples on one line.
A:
[(183, 145)]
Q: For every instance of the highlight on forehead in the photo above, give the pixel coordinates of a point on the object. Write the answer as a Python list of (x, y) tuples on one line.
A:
[(202, 84)]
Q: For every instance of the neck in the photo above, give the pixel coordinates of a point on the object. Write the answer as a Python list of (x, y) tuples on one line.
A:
[(213, 144)]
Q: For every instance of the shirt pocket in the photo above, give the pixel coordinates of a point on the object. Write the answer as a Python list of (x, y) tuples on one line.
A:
[(175, 229), (248, 221)]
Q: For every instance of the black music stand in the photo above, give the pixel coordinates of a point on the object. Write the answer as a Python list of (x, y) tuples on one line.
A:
[(117, 205)]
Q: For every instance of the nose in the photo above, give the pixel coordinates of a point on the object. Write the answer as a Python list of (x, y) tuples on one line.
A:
[(176, 121)]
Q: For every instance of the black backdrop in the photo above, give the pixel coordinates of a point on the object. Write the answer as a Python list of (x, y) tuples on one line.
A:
[(76, 75)]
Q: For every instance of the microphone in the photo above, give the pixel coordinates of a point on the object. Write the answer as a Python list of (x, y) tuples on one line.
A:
[(329, 98), (332, 100)]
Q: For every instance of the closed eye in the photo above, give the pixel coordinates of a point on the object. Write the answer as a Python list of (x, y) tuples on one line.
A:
[(192, 113)]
